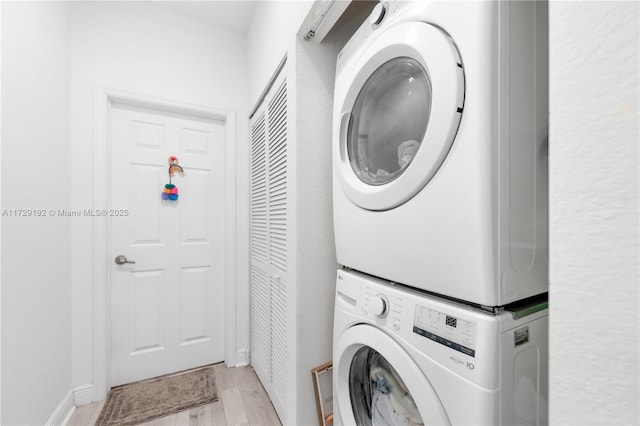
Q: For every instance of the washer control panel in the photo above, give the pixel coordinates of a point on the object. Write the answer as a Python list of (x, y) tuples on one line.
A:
[(461, 339), (445, 329)]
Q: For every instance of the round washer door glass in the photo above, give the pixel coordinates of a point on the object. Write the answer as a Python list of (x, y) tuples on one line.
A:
[(378, 394), (389, 120)]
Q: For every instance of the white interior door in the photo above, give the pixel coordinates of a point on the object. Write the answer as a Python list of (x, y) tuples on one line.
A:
[(167, 308)]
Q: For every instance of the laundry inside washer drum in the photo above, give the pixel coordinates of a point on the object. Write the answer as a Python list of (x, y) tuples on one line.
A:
[(378, 394)]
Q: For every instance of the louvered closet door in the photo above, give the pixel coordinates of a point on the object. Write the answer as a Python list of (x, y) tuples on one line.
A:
[(277, 137), (269, 244), (260, 281)]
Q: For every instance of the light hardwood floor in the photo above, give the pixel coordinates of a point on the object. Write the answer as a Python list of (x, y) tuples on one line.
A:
[(241, 401)]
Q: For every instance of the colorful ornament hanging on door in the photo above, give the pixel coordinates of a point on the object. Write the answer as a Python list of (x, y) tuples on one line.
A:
[(170, 191)]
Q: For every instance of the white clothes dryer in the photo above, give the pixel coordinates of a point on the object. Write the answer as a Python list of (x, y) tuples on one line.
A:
[(440, 148), (402, 357)]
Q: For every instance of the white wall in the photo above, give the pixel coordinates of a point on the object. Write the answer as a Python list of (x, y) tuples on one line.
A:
[(594, 184), (145, 49), (316, 257), (36, 275), (271, 34)]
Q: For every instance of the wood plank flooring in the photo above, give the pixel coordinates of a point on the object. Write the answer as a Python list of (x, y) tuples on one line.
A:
[(241, 401)]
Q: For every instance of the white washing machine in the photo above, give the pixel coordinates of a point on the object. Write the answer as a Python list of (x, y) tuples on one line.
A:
[(440, 148), (403, 357)]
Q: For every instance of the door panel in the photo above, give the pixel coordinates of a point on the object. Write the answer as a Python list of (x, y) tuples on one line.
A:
[(146, 305), (167, 309), (146, 225)]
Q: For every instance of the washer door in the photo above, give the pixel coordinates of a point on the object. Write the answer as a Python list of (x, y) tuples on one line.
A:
[(376, 383), (400, 115)]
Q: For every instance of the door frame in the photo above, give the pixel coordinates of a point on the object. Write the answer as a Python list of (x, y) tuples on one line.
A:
[(103, 104)]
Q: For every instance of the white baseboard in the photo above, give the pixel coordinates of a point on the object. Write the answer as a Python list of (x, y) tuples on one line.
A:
[(242, 358), (63, 413), (83, 395)]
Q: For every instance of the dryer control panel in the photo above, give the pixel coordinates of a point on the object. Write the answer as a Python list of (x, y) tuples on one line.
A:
[(382, 14)]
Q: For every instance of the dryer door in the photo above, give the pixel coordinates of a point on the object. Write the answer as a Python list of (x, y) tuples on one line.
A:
[(377, 383), (399, 116)]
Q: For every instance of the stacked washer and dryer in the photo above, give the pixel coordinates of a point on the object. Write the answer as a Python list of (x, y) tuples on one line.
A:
[(440, 214)]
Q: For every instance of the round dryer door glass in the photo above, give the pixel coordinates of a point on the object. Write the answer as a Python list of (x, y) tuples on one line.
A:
[(389, 120), (378, 394)]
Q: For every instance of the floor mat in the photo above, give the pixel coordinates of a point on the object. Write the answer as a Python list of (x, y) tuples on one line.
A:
[(140, 402)]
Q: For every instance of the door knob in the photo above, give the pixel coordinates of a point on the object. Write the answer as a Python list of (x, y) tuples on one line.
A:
[(122, 259)]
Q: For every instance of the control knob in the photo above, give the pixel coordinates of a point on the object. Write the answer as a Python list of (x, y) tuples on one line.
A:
[(380, 305), (377, 15)]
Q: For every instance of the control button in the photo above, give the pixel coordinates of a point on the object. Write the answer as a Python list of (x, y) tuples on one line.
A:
[(396, 325), (377, 15)]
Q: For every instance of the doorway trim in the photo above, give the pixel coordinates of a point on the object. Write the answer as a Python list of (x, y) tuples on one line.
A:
[(103, 104)]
